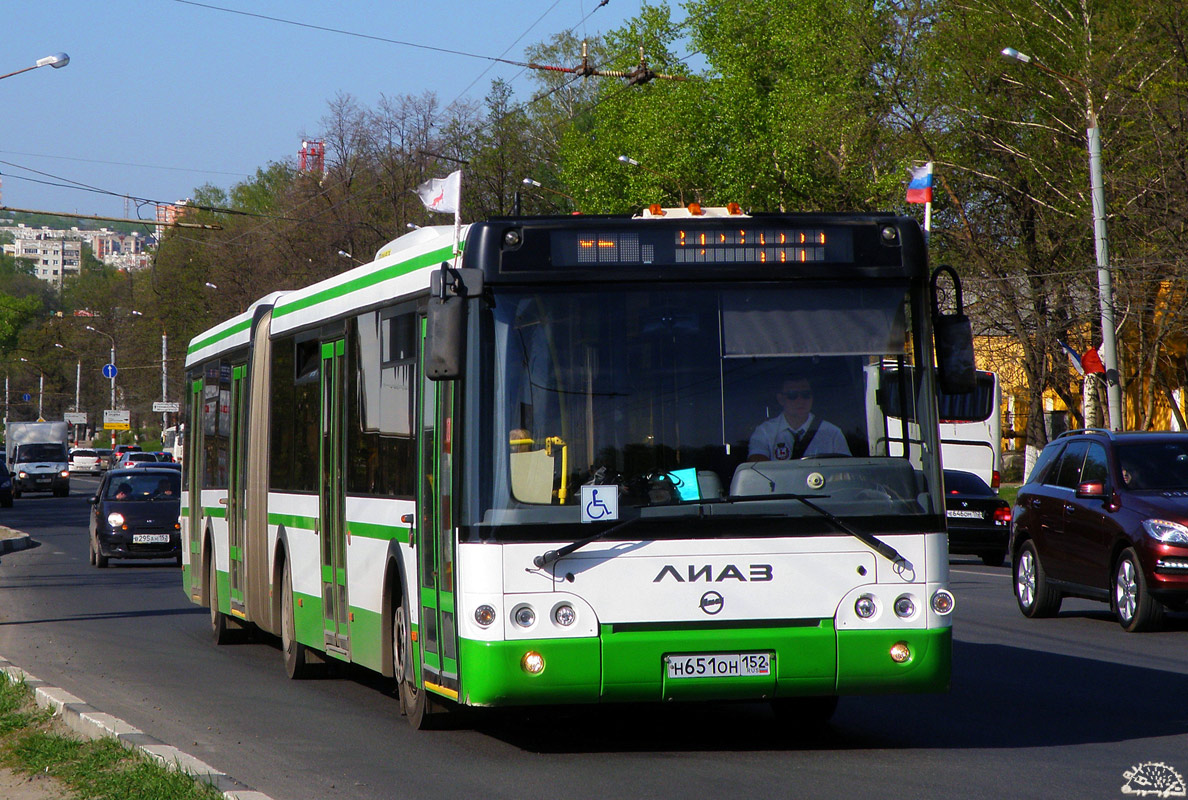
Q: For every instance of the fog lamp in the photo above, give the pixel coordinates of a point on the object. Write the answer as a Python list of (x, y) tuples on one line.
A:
[(484, 615), (943, 602), (901, 653), (532, 663), (564, 615), (865, 606)]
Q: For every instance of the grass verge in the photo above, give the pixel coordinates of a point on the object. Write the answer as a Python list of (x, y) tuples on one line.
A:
[(31, 742)]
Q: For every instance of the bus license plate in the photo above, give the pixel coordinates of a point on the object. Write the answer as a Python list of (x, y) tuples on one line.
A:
[(718, 665), (150, 538)]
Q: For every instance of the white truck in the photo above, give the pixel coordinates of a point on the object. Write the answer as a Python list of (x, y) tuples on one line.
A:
[(37, 457)]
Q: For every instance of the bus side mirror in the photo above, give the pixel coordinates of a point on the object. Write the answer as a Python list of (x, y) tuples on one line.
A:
[(445, 321), (954, 340)]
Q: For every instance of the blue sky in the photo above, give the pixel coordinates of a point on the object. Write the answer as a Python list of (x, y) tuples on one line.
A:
[(161, 96)]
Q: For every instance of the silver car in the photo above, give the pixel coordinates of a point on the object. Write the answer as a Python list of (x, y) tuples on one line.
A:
[(84, 460)]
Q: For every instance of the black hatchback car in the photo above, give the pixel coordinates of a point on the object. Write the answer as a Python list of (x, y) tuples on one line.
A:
[(979, 520), (136, 514), (1104, 515)]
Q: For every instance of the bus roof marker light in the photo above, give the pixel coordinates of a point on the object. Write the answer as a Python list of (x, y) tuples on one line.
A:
[(733, 209), (901, 653), (695, 209)]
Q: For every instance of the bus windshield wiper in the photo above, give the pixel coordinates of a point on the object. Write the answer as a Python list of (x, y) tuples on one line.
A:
[(549, 556), (878, 545)]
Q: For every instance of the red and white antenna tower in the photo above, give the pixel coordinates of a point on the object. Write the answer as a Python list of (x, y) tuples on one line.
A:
[(313, 156)]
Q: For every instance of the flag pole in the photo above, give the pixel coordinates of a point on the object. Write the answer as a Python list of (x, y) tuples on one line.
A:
[(928, 208), (458, 220)]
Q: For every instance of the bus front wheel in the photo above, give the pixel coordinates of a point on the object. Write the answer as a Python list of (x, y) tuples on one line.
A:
[(422, 712)]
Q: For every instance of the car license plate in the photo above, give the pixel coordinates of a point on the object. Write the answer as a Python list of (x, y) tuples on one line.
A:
[(718, 665), (959, 514), (44, 480), (150, 538)]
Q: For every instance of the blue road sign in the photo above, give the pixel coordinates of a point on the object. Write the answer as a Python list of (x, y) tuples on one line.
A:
[(26, 397), (109, 371)]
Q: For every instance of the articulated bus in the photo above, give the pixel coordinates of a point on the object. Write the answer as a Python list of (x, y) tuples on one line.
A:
[(513, 469)]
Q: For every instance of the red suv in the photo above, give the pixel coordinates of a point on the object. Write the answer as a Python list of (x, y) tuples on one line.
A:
[(1104, 516)]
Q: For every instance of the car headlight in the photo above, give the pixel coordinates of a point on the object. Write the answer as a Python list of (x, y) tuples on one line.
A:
[(115, 519), (1166, 531), (22, 474), (65, 473)]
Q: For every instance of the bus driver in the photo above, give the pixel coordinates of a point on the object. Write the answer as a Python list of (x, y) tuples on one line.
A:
[(796, 432)]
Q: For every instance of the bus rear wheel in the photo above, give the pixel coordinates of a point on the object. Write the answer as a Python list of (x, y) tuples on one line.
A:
[(422, 713), (219, 625)]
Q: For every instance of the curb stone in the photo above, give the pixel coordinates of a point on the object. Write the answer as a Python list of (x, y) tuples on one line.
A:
[(91, 723), (13, 540)]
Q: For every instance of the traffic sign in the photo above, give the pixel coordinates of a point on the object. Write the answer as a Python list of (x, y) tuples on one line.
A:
[(26, 397), (75, 418), (164, 406), (109, 371), (114, 420)]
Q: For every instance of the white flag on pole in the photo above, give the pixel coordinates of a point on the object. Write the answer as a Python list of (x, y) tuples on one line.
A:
[(443, 195)]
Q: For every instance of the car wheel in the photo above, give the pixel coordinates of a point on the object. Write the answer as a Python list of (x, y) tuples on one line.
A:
[(91, 551), (1136, 609), (297, 655), (100, 559), (1036, 598), (994, 558)]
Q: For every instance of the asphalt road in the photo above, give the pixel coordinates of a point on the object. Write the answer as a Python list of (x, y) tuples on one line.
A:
[(1038, 708)]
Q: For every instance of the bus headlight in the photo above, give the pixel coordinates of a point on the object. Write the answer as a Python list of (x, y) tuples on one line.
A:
[(901, 653), (484, 615), (524, 616), (865, 606), (943, 602), (904, 606), (564, 615)]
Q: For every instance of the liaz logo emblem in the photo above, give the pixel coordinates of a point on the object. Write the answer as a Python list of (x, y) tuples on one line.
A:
[(756, 573), (712, 603)]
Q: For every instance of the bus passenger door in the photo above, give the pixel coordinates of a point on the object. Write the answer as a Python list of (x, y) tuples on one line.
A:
[(235, 488), (435, 528), (332, 519), (194, 465)]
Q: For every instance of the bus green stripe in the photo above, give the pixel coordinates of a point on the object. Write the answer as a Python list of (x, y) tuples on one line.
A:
[(371, 530), (293, 521), (214, 511), (238, 327), (364, 281)]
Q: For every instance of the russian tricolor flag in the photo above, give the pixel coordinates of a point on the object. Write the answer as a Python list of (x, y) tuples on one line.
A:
[(920, 188)]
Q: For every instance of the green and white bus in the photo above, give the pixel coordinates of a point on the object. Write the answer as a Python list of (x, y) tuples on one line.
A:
[(512, 469)]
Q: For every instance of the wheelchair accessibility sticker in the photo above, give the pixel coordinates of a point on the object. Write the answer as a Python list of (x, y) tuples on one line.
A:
[(600, 503)]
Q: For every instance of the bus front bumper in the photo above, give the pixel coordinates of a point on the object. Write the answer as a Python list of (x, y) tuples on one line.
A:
[(632, 665)]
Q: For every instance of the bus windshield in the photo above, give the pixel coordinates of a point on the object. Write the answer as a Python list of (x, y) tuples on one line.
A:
[(659, 391)]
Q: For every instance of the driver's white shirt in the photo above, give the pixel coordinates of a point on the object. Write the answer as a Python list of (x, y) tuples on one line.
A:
[(775, 439)]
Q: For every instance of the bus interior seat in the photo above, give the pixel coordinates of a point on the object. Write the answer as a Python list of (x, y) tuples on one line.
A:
[(532, 476)]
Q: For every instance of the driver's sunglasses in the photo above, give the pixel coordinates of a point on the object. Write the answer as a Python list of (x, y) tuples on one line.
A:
[(805, 394)]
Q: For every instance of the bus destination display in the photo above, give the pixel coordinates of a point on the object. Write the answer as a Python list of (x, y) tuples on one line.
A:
[(701, 246)]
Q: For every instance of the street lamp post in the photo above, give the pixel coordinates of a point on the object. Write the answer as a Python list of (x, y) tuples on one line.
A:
[(57, 61), (1105, 286), (40, 388), (112, 362), (77, 373)]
